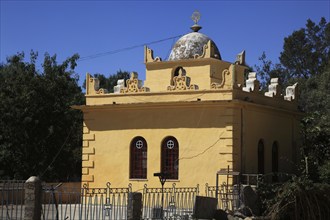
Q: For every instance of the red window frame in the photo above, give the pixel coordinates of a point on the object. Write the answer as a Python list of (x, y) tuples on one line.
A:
[(170, 157), (138, 158)]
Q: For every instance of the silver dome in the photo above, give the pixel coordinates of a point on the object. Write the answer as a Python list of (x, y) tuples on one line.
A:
[(189, 45)]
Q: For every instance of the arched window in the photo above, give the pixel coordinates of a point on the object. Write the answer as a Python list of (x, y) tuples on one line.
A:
[(138, 158), (275, 161), (170, 158), (176, 72), (261, 157)]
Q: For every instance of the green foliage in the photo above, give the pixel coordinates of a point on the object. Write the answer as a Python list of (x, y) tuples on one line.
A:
[(39, 133), (316, 123), (298, 199), (307, 51), (324, 171), (269, 70)]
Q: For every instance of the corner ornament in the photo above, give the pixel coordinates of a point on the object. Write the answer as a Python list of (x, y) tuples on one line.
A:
[(93, 86), (208, 51), (182, 82), (215, 85), (149, 55), (134, 85)]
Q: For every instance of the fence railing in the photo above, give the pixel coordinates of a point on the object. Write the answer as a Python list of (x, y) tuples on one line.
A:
[(169, 203), (61, 203), (86, 203), (78, 203), (12, 199)]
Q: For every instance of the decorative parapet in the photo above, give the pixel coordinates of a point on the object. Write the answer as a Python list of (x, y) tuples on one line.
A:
[(93, 86), (134, 85), (252, 84), (149, 56), (274, 88), (251, 93), (182, 82), (291, 92)]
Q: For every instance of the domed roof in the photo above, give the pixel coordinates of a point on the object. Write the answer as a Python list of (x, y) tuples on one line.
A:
[(191, 44)]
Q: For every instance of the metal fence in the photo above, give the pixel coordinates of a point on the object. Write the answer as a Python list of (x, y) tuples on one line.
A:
[(12, 199), (228, 195), (169, 203), (86, 203), (61, 203)]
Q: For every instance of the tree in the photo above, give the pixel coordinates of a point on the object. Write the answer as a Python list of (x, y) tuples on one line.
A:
[(40, 134), (307, 51), (316, 123), (268, 70), (306, 56)]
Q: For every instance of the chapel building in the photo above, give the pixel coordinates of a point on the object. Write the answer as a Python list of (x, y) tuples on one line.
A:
[(194, 115)]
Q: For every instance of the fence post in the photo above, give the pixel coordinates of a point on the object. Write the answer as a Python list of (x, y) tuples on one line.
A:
[(134, 207), (32, 199)]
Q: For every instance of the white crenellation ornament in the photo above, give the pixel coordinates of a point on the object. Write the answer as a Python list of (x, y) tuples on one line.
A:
[(274, 88), (252, 84), (120, 85), (291, 92)]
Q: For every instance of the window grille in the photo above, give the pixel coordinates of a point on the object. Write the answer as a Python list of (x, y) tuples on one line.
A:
[(170, 158), (138, 158)]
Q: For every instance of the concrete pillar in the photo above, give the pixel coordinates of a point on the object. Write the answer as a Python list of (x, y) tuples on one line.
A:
[(33, 192), (134, 207)]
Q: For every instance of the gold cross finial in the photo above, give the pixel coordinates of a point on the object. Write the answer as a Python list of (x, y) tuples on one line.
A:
[(196, 16)]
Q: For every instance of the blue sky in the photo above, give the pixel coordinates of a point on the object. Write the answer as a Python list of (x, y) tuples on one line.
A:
[(93, 27)]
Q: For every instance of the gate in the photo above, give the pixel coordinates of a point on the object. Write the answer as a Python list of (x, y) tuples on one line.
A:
[(171, 203)]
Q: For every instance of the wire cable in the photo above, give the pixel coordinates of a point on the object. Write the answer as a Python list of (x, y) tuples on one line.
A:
[(58, 152), (125, 49)]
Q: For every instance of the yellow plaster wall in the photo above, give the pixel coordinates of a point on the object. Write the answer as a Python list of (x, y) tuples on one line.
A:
[(194, 129), (160, 79), (160, 97), (202, 73), (270, 126)]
